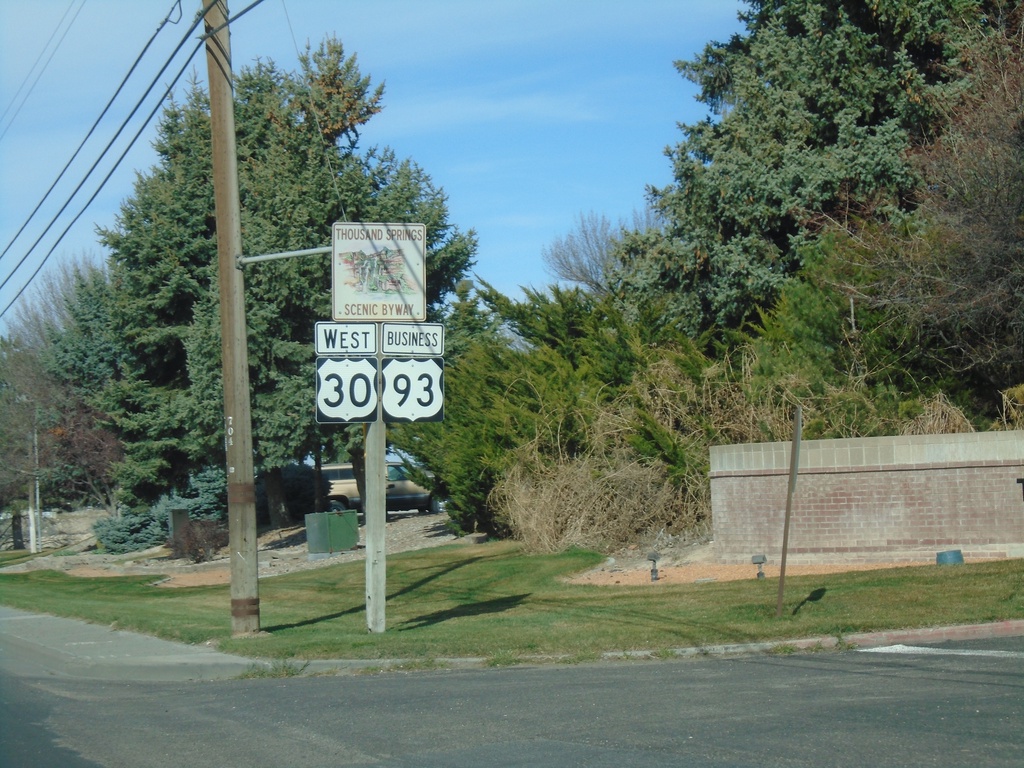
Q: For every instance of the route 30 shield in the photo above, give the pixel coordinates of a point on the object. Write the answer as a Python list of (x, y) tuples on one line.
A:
[(346, 390)]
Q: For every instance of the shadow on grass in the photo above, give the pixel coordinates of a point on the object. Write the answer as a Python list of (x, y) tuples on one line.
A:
[(315, 620), (497, 605), (814, 597), (435, 573)]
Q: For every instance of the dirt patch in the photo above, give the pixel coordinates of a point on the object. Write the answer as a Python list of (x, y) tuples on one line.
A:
[(681, 562), (705, 572), (206, 579), (90, 572), (285, 551), (219, 575)]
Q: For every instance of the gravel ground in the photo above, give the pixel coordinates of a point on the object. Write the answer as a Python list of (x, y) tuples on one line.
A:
[(281, 551), (284, 551)]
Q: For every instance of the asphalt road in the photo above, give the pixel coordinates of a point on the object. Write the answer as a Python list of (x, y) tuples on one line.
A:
[(956, 704)]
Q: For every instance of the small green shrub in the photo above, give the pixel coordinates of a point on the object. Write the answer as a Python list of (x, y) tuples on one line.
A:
[(132, 531), (205, 499)]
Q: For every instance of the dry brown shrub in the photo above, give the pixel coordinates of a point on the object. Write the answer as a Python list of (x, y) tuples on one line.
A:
[(607, 497), (724, 401), (737, 413), (602, 500), (938, 417), (1013, 407), (199, 541), (576, 504)]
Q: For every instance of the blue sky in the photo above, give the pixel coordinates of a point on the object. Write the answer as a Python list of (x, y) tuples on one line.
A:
[(526, 112)]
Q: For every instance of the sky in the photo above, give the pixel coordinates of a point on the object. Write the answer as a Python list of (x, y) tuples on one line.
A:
[(528, 113)]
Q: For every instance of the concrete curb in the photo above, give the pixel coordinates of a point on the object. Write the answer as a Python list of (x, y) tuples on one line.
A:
[(922, 636), (35, 644)]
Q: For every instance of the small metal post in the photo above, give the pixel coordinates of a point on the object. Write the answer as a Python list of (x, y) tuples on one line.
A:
[(794, 466)]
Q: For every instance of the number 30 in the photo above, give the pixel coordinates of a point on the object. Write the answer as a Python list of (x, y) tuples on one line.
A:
[(358, 399)]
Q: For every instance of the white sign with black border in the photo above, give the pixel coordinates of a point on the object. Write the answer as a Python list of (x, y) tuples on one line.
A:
[(346, 390), (346, 339), (412, 339), (413, 389)]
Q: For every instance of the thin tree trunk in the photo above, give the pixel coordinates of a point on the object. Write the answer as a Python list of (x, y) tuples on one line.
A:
[(274, 483), (17, 535)]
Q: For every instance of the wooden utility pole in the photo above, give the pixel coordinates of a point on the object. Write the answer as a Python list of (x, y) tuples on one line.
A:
[(245, 600)]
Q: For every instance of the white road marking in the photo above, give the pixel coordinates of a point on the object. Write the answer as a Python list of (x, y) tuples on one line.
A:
[(926, 650)]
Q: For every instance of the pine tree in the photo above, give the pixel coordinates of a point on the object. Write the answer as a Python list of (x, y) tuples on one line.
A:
[(299, 171), (819, 106)]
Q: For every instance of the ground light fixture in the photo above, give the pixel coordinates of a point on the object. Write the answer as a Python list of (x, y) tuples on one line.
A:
[(654, 557), (759, 561)]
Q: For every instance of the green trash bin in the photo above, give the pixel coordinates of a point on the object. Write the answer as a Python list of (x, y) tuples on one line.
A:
[(330, 532)]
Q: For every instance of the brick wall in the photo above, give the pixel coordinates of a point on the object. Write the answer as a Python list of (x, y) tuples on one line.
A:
[(880, 499)]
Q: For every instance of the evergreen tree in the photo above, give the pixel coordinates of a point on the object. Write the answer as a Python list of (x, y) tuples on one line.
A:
[(954, 273), (819, 106), (299, 171), (528, 372), (57, 359), (19, 379)]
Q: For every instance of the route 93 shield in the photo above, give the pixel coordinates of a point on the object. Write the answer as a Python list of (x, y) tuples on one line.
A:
[(413, 389), (346, 390)]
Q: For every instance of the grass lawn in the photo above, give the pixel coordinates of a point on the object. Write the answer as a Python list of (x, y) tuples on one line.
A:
[(495, 602)]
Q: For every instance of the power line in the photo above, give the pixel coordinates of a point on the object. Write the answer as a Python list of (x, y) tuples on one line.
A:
[(155, 109), (93, 167), (92, 197), (36, 64), (92, 129)]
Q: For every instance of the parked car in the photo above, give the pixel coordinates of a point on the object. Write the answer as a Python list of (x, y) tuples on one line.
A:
[(402, 493)]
